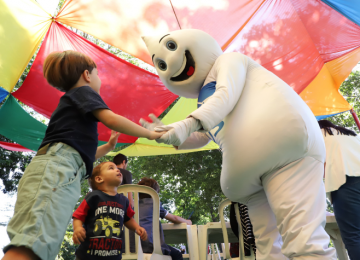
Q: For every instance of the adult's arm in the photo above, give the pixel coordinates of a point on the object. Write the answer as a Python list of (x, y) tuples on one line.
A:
[(177, 220)]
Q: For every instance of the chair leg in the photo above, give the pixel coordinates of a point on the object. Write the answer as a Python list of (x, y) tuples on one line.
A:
[(193, 243), (339, 246), (203, 241)]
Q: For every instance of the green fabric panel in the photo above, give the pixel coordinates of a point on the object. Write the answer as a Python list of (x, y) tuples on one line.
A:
[(17, 125)]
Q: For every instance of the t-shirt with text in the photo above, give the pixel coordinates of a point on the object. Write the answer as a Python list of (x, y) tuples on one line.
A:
[(103, 216)]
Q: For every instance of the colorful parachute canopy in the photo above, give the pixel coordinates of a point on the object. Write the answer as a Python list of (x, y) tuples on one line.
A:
[(312, 45), (127, 89), (292, 38), (23, 24), (14, 147), (121, 23)]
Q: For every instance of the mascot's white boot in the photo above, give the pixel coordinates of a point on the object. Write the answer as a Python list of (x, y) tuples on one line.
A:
[(273, 151)]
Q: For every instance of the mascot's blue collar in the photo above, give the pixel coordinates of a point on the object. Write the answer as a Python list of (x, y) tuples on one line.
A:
[(205, 92)]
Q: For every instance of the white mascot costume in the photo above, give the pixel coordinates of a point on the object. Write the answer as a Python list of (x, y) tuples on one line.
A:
[(273, 150)]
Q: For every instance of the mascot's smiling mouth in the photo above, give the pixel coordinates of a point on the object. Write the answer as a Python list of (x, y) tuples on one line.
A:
[(187, 69)]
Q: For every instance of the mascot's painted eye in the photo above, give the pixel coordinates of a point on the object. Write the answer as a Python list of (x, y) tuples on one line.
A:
[(171, 45), (162, 65)]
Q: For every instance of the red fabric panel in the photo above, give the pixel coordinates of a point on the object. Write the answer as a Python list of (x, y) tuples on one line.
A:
[(277, 39), (221, 19), (14, 147), (332, 33), (82, 211), (127, 89)]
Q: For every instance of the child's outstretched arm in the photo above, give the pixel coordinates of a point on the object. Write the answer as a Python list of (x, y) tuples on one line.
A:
[(109, 146), (124, 125), (79, 231), (132, 225)]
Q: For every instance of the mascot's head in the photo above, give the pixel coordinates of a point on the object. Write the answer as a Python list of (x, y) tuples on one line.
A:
[(183, 59)]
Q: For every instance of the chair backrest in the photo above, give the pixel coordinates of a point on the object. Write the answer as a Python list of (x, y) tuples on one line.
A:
[(125, 189), (222, 205)]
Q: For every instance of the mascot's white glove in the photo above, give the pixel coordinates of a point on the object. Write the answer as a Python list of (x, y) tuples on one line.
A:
[(151, 126), (178, 132)]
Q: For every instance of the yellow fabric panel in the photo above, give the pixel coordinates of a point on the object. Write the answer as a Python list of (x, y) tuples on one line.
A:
[(23, 24), (145, 147), (340, 68), (322, 95), (150, 150)]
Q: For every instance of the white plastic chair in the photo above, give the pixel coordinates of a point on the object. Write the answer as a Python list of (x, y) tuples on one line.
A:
[(157, 253), (242, 256)]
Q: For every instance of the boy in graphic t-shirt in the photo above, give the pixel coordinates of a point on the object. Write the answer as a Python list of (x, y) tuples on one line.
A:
[(98, 221)]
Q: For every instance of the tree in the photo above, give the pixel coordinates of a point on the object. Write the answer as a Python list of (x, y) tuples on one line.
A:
[(190, 182), (350, 89)]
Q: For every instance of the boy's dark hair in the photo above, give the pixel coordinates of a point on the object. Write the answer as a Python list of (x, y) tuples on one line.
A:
[(118, 159), (96, 172), (327, 125), (148, 182), (63, 69)]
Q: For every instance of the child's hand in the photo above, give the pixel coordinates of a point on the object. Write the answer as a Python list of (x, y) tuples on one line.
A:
[(114, 138), (79, 235), (188, 222), (141, 232), (155, 135)]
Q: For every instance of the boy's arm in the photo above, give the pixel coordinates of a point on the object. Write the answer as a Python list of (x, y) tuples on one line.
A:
[(79, 217), (132, 225), (109, 146), (79, 234), (124, 125), (177, 220)]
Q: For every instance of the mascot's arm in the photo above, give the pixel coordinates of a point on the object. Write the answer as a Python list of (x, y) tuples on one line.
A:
[(194, 141), (230, 74)]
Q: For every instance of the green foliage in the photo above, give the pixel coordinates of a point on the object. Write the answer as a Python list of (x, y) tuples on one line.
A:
[(67, 250), (189, 182), (12, 166), (350, 89)]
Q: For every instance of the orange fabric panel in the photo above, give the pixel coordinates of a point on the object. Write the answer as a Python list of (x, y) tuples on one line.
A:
[(341, 67), (223, 20), (121, 23), (277, 39), (322, 95), (332, 33)]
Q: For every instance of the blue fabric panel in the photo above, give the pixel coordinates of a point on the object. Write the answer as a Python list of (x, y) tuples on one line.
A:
[(348, 8), (326, 116), (3, 94)]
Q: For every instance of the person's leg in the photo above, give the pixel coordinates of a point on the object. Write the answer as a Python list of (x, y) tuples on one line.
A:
[(296, 195), (267, 238), (47, 195), (347, 214), (175, 253)]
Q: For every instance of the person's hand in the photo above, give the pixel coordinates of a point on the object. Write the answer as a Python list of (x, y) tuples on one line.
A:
[(151, 126), (155, 135), (113, 139), (178, 132), (141, 232), (188, 222), (79, 235)]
